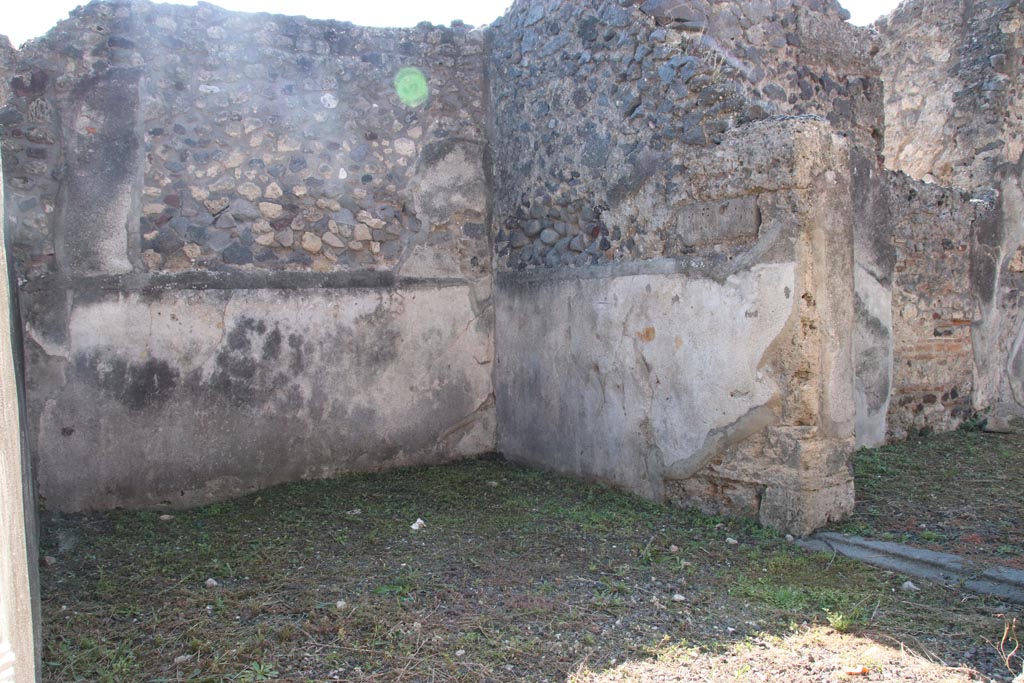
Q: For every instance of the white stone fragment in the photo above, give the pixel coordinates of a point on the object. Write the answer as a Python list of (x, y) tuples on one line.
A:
[(362, 232), (270, 210), (273, 191), (405, 147), (250, 191), (311, 242)]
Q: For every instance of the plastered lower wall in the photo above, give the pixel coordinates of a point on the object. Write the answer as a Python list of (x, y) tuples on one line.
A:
[(245, 259)]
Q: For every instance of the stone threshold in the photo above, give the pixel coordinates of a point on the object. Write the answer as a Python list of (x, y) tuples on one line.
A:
[(943, 568)]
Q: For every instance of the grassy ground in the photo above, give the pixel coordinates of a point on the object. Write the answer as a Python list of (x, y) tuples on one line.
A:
[(517, 575), (961, 492)]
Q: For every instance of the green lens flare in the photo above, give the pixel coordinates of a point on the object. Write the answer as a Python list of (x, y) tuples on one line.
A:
[(411, 86)]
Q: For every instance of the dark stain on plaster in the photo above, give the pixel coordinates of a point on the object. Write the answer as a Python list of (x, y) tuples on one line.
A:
[(238, 338), (318, 404), (1017, 364), (298, 361), (988, 235), (379, 348), (237, 375), (870, 322), (272, 345), (137, 386), (870, 199)]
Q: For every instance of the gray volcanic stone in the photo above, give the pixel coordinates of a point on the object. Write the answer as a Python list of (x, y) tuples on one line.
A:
[(549, 236), (244, 210), (237, 254)]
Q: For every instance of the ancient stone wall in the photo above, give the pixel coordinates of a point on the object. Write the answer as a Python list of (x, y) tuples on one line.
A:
[(245, 258), (660, 178), (933, 307), (954, 111), (255, 248), (955, 116), (249, 139), (594, 101)]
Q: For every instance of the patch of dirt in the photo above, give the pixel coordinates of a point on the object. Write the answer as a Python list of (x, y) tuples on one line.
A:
[(517, 575), (810, 655), (960, 492)]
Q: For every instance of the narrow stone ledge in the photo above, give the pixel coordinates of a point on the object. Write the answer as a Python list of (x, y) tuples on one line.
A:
[(238, 279)]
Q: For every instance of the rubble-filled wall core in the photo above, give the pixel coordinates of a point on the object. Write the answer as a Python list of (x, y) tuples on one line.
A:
[(955, 117), (592, 100), (244, 258), (700, 249), (933, 307)]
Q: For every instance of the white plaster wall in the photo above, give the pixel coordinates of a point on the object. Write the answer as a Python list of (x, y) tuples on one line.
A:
[(630, 378), (189, 396)]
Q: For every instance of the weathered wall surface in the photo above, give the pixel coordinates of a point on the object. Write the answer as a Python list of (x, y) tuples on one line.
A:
[(636, 85), (997, 262), (620, 372), (955, 116), (190, 396), (607, 378), (594, 99), (933, 307), (953, 98), (692, 209), (245, 258)]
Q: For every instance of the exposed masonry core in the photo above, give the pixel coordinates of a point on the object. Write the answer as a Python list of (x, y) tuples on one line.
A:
[(700, 250)]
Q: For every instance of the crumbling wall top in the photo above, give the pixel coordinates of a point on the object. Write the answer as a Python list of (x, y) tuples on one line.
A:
[(954, 91), (246, 141), (595, 101)]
